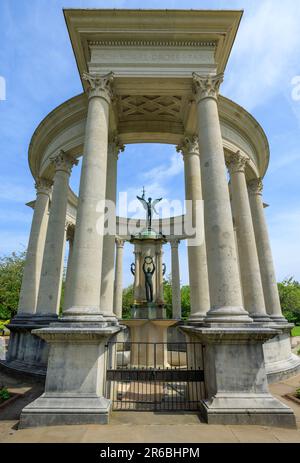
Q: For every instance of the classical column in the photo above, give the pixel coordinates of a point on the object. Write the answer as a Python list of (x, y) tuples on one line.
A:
[(198, 277), (224, 283), (68, 284), (137, 274), (51, 275), (264, 252), (35, 249), (176, 295), (249, 265), (108, 257), (118, 286), (88, 240)]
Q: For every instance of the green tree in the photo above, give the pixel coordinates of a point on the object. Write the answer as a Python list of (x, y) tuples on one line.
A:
[(185, 301), (11, 272), (289, 294), (127, 301)]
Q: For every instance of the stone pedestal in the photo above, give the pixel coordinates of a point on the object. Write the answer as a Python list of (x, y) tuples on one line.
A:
[(149, 342), (235, 377), (75, 377)]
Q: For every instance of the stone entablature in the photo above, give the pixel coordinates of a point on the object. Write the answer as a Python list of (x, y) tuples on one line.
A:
[(64, 129)]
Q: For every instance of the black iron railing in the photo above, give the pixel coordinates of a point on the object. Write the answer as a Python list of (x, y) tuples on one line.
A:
[(155, 376)]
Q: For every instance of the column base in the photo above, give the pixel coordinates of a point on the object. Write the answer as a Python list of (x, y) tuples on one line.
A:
[(279, 319), (230, 315), (235, 376), (196, 319), (54, 410), (75, 376), (260, 318)]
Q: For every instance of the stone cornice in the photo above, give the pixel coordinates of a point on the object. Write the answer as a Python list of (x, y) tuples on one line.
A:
[(99, 86), (59, 121), (151, 43)]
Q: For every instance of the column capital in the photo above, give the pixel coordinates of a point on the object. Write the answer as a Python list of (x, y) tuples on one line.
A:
[(190, 145), (119, 242), (206, 86), (236, 162), (115, 146), (174, 243), (255, 186), (43, 186), (70, 230), (99, 85), (63, 161)]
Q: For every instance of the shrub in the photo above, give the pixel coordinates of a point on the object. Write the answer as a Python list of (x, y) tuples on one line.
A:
[(4, 394)]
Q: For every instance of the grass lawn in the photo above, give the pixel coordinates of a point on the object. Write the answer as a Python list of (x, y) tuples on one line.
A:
[(296, 331)]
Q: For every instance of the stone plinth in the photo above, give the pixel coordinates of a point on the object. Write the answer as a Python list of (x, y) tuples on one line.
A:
[(149, 312), (149, 342), (235, 377), (75, 377), (28, 352)]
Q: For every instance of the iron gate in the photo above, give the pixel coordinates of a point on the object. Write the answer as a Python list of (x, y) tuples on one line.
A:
[(154, 376)]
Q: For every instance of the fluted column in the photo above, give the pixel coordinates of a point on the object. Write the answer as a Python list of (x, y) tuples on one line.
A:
[(264, 252), (108, 258), (176, 295), (224, 283), (35, 249), (118, 286), (198, 276), (249, 265), (88, 240), (51, 275), (68, 282)]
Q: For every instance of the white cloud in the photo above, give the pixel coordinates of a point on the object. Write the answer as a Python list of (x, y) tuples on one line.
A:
[(164, 172), (266, 53)]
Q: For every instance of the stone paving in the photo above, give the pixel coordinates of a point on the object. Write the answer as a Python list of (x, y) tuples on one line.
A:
[(143, 426)]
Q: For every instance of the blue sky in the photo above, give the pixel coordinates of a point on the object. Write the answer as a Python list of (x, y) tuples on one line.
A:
[(38, 65)]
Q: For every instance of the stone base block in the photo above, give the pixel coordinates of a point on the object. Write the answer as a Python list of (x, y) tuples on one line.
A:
[(55, 410), (75, 381), (263, 410), (235, 377)]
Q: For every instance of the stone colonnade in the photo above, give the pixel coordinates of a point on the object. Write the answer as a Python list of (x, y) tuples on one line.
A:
[(226, 285), (226, 294)]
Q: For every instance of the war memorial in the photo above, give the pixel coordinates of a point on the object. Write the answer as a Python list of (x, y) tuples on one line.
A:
[(151, 76)]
